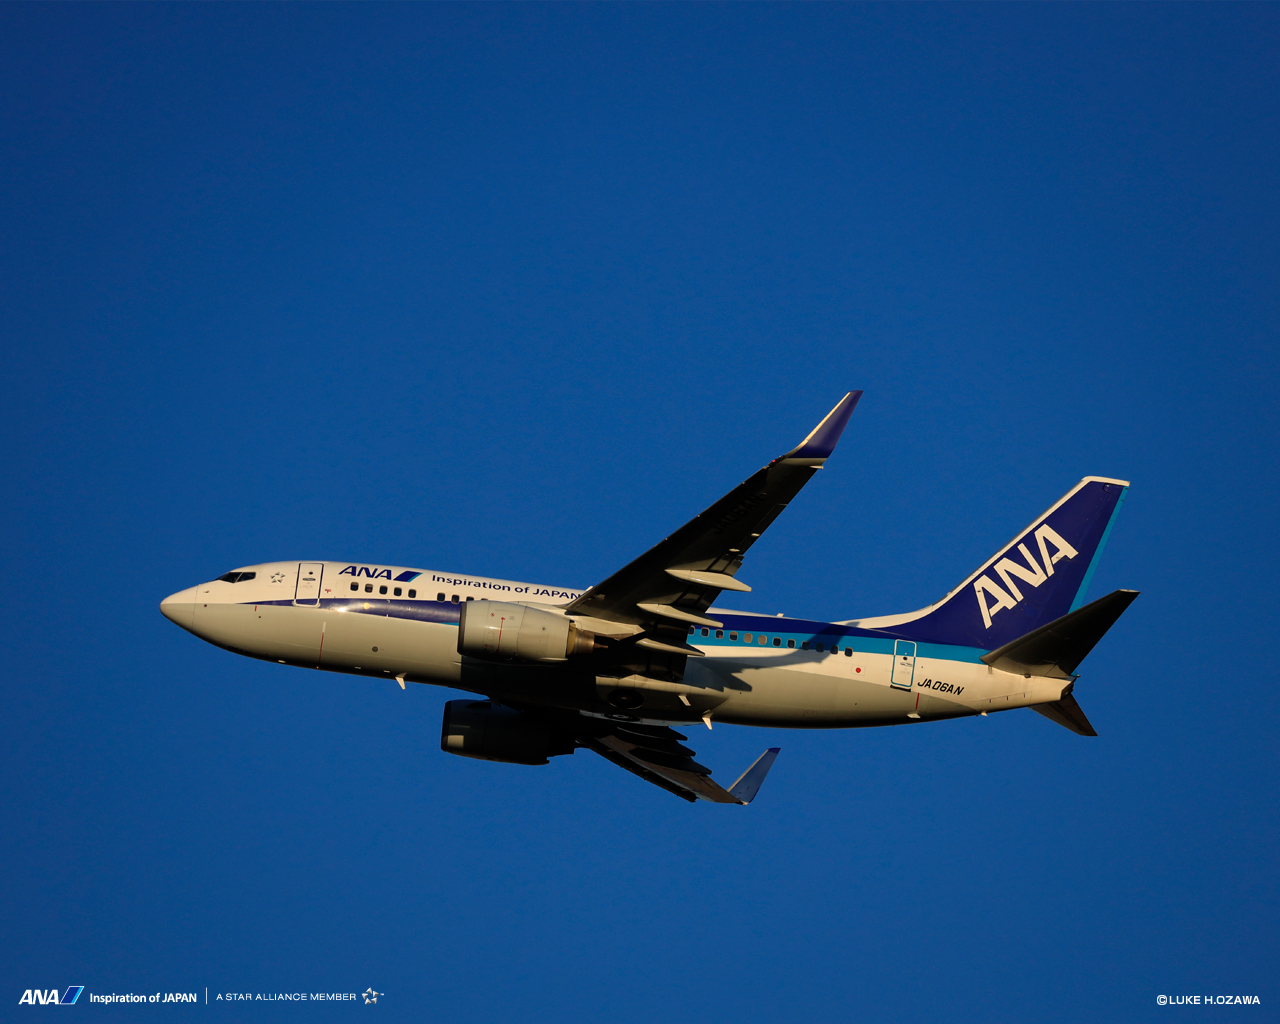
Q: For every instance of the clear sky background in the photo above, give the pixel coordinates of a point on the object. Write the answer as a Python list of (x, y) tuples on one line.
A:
[(516, 290)]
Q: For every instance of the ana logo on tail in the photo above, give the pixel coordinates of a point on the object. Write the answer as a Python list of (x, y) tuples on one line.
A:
[(1007, 569)]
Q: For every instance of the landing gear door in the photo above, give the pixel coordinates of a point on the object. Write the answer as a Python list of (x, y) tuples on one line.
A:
[(308, 590), (904, 664)]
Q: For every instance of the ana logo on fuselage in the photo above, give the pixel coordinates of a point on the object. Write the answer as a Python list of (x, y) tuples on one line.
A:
[(1007, 569), (39, 997), (375, 573)]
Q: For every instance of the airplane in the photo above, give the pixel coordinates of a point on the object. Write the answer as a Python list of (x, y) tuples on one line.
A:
[(616, 667)]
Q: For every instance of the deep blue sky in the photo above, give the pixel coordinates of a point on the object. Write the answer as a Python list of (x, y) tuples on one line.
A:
[(515, 290)]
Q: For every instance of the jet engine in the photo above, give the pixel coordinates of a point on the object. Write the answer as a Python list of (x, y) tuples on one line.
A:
[(495, 629), (491, 732)]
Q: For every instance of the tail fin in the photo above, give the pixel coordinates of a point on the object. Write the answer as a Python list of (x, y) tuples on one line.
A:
[(1036, 578)]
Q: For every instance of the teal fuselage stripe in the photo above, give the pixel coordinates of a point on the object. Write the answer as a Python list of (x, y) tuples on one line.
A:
[(860, 644), (1093, 565)]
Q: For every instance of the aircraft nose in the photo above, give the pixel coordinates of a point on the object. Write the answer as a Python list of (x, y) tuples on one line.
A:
[(180, 608)]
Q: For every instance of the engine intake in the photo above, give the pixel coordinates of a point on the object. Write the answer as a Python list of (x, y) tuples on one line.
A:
[(496, 629), (491, 732)]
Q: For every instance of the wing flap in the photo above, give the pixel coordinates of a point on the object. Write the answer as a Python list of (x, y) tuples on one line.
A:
[(691, 782), (709, 579), (655, 754)]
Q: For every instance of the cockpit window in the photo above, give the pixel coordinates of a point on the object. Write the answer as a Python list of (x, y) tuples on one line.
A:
[(236, 577)]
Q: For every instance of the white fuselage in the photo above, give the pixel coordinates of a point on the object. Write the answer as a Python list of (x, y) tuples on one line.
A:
[(402, 624)]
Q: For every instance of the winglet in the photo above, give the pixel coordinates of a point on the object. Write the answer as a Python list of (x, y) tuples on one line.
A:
[(746, 788), (821, 441)]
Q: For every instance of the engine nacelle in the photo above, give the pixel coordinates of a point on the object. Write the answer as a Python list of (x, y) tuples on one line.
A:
[(496, 629), (491, 732)]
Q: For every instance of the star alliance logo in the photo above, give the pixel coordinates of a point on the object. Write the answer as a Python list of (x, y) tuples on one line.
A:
[(370, 996)]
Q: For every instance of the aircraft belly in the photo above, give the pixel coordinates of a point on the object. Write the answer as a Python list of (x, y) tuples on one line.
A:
[(336, 641), (803, 691), (800, 698), (389, 646)]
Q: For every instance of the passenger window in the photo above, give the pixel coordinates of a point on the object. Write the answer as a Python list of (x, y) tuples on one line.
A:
[(848, 652), (804, 646), (764, 639), (817, 647), (693, 630), (355, 586), (470, 598), (792, 643), (733, 636), (777, 641), (368, 588), (413, 593), (454, 599), (706, 632), (396, 592), (382, 590), (719, 634), (439, 597)]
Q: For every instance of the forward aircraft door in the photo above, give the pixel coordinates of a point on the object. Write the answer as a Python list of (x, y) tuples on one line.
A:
[(904, 664), (308, 590)]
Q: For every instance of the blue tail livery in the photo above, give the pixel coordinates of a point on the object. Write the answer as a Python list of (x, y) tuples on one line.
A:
[(1039, 576)]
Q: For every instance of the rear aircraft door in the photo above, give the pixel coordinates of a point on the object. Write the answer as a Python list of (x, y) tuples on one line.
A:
[(308, 589), (904, 664)]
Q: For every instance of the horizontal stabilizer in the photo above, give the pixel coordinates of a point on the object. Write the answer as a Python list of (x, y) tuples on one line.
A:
[(746, 788), (1067, 713), (1056, 649)]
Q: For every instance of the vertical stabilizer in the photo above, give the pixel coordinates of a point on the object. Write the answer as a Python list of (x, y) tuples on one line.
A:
[(1037, 577)]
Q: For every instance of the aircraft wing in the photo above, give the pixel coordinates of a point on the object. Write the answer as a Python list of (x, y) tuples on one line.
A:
[(671, 585), (656, 754)]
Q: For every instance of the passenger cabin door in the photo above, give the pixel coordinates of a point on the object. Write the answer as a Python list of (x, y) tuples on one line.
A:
[(307, 592), (904, 664)]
